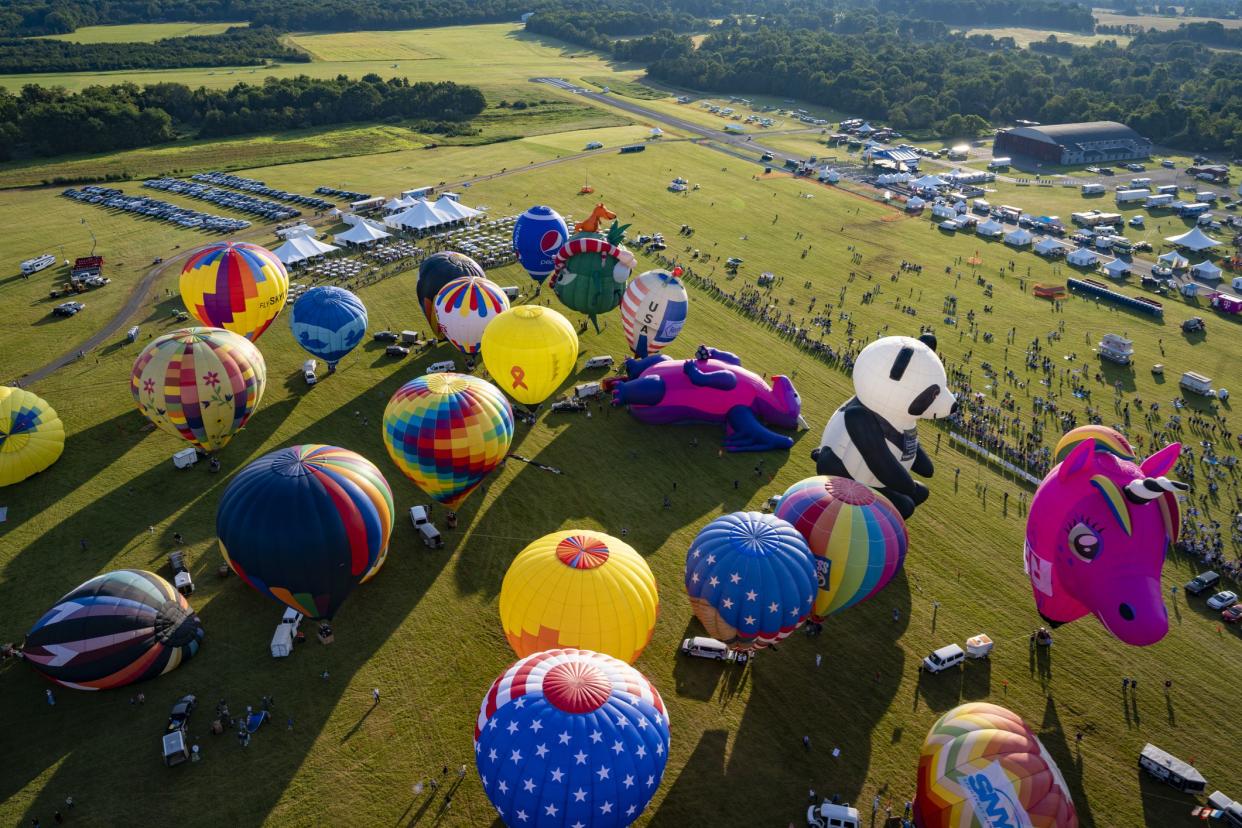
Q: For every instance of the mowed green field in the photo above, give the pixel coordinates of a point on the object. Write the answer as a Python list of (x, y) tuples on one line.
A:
[(426, 630), (141, 32), (1024, 37), (1105, 17)]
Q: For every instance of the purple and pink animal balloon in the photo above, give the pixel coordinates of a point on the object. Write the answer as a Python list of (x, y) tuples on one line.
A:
[(1096, 537)]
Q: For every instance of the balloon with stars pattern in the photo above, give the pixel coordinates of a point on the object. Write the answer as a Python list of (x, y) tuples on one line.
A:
[(571, 738), (751, 579)]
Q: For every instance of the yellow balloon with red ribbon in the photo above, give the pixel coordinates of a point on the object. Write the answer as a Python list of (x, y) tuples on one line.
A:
[(530, 350)]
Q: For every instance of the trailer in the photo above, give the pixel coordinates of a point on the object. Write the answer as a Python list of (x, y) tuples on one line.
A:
[(1172, 771), (1131, 196)]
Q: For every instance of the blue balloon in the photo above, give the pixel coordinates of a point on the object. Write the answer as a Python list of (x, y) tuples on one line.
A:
[(537, 236), (329, 322), (751, 579)]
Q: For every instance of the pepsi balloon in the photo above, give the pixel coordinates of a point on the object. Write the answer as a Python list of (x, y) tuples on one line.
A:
[(537, 236)]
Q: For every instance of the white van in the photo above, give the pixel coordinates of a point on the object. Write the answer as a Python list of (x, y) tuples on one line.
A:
[(512, 292), (441, 367), (828, 815), (944, 658), (703, 647), (286, 631), (308, 371), (604, 361)]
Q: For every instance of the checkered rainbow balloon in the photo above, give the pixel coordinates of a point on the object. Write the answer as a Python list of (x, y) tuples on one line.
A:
[(446, 432)]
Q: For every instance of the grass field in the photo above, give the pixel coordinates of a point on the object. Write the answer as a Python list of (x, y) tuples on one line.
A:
[(1105, 17), (141, 32), (1024, 37), (426, 630)]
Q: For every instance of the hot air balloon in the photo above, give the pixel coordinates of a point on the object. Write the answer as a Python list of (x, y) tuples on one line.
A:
[(750, 578), (529, 351), (1108, 440), (32, 437), (304, 525), (982, 766), (653, 311), (328, 322), (115, 629), (856, 535), (592, 266), (465, 307), (238, 286), (201, 384), (537, 236), (446, 432), (436, 271), (579, 588), (571, 737)]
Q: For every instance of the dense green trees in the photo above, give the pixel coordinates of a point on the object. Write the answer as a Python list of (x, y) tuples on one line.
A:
[(101, 118)]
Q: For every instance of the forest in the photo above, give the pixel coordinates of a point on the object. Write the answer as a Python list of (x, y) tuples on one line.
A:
[(52, 121), (238, 46)]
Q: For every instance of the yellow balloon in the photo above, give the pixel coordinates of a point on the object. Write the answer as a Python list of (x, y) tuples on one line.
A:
[(32, 437), (579, 589), (238, 286), (529, 351)]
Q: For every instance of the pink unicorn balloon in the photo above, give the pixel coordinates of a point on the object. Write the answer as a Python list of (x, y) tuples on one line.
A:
[(1096, 537)]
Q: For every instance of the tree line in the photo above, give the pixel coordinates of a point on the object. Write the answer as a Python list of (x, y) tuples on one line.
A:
[(238, 46), (52, 121)]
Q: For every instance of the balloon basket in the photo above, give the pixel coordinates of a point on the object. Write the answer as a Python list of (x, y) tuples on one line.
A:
[(325, 635)]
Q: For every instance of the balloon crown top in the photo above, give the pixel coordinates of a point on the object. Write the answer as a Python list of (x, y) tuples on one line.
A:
[(579, 552), (576, 687)]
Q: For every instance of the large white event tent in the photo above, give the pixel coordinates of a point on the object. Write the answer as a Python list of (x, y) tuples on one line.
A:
[(297, 230), (1083, 257), (1195, 240), (454, 208), (1174, 260), (990, 228), (422, 216), (1047, 245), (302, 248), (396, 205), (1117, 268), (364, 232), (927, 182), (1019, 238)]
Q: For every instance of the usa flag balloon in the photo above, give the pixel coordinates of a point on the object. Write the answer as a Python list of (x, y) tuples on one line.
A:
[(537, 236), (571, 737), (653, 311)]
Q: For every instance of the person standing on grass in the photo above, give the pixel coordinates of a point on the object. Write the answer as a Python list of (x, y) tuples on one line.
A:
[(51, 700), (375, 695)]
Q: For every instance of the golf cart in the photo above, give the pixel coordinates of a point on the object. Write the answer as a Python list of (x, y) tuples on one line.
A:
[(426, 529), (829, 815), (181, 572), (176, 748)]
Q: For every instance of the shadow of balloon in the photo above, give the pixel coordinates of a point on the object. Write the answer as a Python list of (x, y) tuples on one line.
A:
[(1056, 742)]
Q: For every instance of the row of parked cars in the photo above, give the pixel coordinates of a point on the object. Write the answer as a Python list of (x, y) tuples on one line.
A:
[(269, 210), (348, 195), (146, 206), (252, 185)]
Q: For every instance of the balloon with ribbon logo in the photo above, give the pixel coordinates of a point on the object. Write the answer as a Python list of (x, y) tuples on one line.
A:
[(446, 432), (465, 307), (592, 267), (537, 237), (238, 286), (529, 351), (653, 311)]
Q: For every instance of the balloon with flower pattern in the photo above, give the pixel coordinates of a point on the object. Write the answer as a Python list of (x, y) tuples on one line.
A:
[(238, 286), (201, 384)]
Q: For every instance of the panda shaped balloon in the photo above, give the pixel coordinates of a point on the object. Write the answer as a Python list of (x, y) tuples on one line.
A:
[(873, 438)]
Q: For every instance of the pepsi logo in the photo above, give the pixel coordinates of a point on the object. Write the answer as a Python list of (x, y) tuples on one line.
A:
[(550, 241)]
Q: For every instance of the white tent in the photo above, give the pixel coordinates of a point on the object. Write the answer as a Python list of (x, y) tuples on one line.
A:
[(832, 176), (990, 228), (334, 212), (364, 232), (915, 203), (455, 209), (927, 182), (1116, 268), (421, 216), (297, 230), (865, 129), (1206, 270), (1082, 257), (1174, 260), (943, 211), (1195, 240), (1019, 238), (1047, 245), (302, 248), (396, 205), (960, 206)]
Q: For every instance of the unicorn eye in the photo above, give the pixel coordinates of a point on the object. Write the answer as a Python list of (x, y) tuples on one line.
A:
[(1084, 541)]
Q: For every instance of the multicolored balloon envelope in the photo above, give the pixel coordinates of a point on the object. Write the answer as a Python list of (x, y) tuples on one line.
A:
[(1097, 533), (238, 286), (653, 310), (446, 432), (856, 535), (591, 271), (306, 524), (750, 578), (529, 351), (32, 437), (328, 322), (981, 766), (465, 307), (113, 630), (436, 271), (537, 236), (579, 588), (571, 737), (201, 384)]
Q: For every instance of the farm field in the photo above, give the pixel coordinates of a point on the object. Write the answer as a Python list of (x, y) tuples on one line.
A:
[(141, 32), (1105, 17), (1024, 37), (426, 630)]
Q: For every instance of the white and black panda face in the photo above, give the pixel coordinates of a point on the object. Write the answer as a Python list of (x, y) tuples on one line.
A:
[(901, 379)]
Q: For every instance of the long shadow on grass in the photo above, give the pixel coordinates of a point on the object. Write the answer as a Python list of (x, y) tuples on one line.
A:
[(86, 732), (1053, 737)]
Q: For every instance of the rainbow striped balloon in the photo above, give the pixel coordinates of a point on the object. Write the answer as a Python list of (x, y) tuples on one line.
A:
[(1108, 440), (857, 536), (306, 524), (238, 286), (982, 766), (446, 432), (465, 307)]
